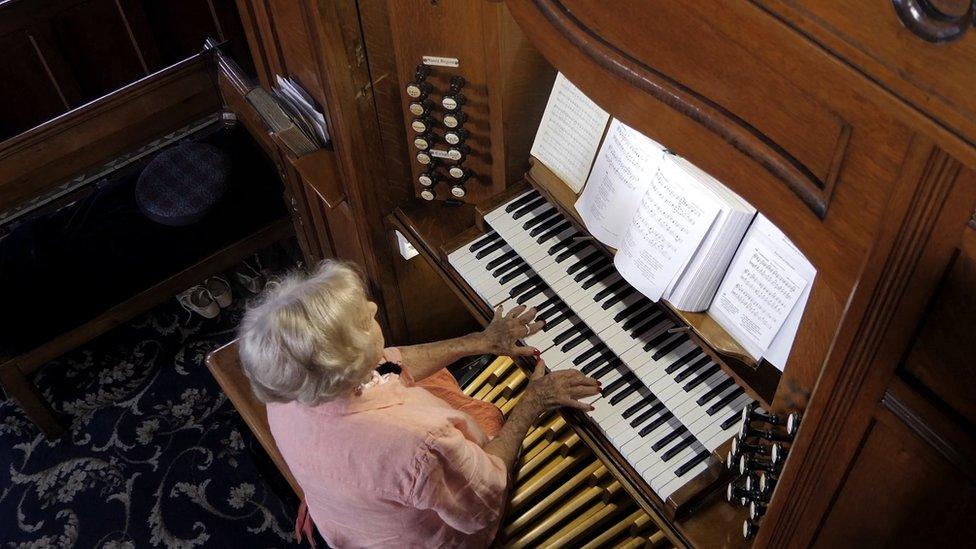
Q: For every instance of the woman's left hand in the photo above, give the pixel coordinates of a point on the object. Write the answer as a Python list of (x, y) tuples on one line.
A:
[(502, 335)]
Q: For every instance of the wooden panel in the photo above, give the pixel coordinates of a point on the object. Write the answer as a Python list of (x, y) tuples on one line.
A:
[(720, 72), (943, 357), (101, 130), (94, 39), (437, 313), (179, 27), (296, 50), (34, 98), (935, 78), (901, 492)]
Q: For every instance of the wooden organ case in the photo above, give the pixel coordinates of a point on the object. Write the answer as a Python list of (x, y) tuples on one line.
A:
[(851, 126)]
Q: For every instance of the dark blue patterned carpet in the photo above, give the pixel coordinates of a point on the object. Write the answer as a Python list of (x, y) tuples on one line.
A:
[(155, 456)]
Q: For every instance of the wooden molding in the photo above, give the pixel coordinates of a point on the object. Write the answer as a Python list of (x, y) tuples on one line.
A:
[(864, 356), (812, 190)]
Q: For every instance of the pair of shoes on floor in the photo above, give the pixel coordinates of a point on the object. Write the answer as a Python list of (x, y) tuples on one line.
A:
[(208, 298), (253, 276)]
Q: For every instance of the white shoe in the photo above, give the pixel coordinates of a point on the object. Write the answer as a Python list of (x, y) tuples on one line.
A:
[(198, 300), (249, 277), (220, 291)]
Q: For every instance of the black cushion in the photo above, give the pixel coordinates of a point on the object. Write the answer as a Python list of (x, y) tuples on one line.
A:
[(181, 184)]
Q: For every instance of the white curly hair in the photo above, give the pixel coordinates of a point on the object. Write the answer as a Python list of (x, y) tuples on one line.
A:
[(308, 339)]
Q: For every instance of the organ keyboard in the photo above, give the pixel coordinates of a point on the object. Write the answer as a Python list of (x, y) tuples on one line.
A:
[(665, 406)]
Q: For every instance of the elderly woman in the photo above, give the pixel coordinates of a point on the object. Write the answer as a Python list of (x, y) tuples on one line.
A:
[(401, 458)]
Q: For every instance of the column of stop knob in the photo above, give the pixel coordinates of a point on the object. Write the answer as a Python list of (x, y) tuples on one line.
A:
[(763, 449), (423, 123), (456, 135)]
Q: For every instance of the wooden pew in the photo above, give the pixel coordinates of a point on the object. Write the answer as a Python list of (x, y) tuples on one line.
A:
[(225, 365)]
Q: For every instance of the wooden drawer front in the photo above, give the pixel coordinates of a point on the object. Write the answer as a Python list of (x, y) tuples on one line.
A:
[(936, 78), (297, 54), (726, 74), (910, 485), (943, 357)]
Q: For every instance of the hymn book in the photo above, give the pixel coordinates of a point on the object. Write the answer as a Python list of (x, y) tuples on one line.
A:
[(675, 227)]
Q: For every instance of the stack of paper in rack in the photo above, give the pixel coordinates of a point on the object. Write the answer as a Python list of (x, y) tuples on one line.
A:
[(303, 107), (695, 287)]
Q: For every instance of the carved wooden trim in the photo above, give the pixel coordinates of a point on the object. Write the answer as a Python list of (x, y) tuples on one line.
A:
[(844, 382), (932, 24), (813, 191)]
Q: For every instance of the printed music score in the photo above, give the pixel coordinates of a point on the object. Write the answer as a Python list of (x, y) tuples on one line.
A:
[(569, 133), (669, 224), (762, 288)]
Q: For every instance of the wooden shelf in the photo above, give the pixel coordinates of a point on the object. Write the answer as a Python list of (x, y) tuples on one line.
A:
[(701, 518)]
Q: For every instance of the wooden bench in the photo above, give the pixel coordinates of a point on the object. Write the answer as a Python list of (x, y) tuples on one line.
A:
[(225, 365)]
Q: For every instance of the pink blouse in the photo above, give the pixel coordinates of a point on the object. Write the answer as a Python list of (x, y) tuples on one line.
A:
[(394, 466)]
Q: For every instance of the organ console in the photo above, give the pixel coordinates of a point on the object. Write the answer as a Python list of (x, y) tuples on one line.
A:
[(844, 124)]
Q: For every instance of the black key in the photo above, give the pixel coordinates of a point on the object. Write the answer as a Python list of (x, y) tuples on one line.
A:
[(624, 380), (488, 250), (564, 244), (592, 268), (486, 240), (725, 400), (511, 264), (549, 307), (570, 330), (650, 322), (586, 356), (637, 407), (595, 275), (611, 366), (568, 252), (644, 318), (507, 256), (597, 363), (631, 309), (542, 216), (564, 336), (591, 258), (650, 427), (563, 315), (692, 369), (524, 210), (730, 421), (545, 226), (611, 289), (690, 464), (653, 411), (512, 275), (667, 456), (715, 391), (528, 289), (555, 231), (668, 438), (629, 390), (547, 303), (573, 343), (619, 297), (673, 367), (532, 195), (670, 346), (700, 378), (658, 340)]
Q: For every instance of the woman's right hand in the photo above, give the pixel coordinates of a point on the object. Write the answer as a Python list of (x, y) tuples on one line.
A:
[(558, 389)]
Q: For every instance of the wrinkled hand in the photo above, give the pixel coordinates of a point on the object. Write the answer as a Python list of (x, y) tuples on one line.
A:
[(558, 389), (504, 331)]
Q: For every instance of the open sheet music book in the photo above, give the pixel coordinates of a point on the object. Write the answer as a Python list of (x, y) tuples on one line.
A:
[(680, 234)]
